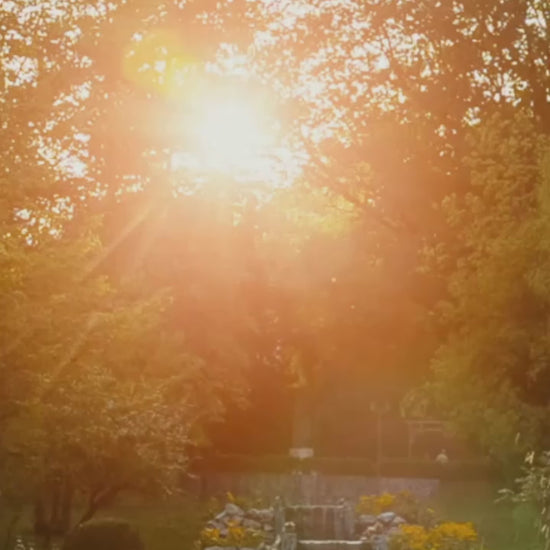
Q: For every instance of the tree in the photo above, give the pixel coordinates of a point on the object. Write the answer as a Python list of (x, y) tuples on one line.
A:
[(490, 373), (100, 393)]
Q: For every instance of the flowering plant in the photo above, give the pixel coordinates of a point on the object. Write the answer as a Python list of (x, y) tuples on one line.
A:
[(445, 536)]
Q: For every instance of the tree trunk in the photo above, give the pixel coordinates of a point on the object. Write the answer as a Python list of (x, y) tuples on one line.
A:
[(40, 522), (10, 531), (66, 507), (54, 506), (98, 500)]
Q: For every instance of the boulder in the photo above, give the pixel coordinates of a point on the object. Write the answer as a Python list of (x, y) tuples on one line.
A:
[(254, 513), (386, 517), (366, 520), (375, 529), (398, 520), (251, 524), (233, 510), (267, 515)]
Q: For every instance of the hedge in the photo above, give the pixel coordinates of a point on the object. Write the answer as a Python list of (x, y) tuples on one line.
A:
[(458, 470)]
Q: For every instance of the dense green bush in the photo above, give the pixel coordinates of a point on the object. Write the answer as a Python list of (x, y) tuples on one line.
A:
[(104, 534), (462, 471)]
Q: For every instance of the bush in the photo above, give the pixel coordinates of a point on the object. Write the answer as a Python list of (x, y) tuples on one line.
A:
[(104, 534), (445, 536), (533, 487), (236, 536), (404, 504), (461, 471)]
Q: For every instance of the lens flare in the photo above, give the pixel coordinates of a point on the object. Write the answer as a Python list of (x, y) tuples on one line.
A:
[(229, 132)]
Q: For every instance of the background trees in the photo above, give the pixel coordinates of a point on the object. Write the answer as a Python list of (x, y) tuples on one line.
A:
[(490, 372), (156, 298)]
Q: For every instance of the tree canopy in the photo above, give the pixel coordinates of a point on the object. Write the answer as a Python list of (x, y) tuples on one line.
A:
[(400, 221)]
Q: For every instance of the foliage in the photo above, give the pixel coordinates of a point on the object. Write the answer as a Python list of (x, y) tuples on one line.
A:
[(490, 371), (247, 502), (99, 391), (91, 229), (533, 487), (459, 470), (103, 533), (237, 536), (403, 503), (376, 504), (444, 536)]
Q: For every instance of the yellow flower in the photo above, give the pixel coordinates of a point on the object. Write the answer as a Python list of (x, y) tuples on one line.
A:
[(410, 537), (453, 531), (445, 536), (384, 502), (366, 505)]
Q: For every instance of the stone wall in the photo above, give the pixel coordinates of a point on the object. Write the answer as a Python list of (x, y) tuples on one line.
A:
[(305, 488)]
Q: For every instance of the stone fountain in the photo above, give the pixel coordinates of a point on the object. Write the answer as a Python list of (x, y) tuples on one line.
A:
[(316, 527)]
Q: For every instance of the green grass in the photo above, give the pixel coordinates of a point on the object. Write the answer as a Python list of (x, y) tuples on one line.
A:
[(166, 525), (503, 526), (174, 524)]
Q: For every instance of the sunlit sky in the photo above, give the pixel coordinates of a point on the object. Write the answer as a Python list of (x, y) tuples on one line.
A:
[(226, 126), (237, 134)]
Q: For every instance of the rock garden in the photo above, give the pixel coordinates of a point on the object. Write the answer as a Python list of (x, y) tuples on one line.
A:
[(376, 522)]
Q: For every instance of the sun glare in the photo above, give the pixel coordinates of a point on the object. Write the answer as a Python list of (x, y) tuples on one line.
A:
[(229, 133), (236, 136), (221, 120)]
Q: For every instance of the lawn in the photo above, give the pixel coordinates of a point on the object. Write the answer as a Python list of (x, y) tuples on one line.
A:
[(173, 524), (503, 526)]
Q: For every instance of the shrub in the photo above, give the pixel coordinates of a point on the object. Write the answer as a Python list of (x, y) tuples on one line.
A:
[(533, 487), (236, 536), (404, 504), (455, 470), (375, 504), (104, 534), (445, 536)]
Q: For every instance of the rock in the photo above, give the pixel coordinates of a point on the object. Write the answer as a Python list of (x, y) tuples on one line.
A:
[(366, 520), (373, 530), (251, 524), (220, 548), (254, 513), (386, 517), (267, 515), (268, 528), (215, 524), (398, 520), (233, 510)]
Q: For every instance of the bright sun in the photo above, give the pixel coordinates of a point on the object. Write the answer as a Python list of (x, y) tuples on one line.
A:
[(223, 122), (230, 134), (230, 130), (236, 136)]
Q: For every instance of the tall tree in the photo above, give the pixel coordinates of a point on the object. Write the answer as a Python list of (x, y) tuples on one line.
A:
[(490, 374)]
